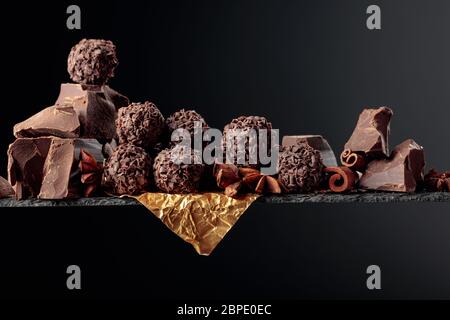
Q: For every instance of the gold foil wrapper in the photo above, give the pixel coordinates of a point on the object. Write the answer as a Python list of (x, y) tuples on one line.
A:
[(202, 220)]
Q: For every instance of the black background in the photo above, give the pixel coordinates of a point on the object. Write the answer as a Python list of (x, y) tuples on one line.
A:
[(308, 66)]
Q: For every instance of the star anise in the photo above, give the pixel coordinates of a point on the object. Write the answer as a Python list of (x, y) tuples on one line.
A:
[(437, 181), (238, 180), (91, 173)]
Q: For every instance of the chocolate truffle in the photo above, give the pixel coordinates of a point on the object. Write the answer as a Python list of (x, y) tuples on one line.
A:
[(173, 177), (140, 124), (92, 61), (300, 168), (184, 119), (6, 190), (238, 130), (128, 170)]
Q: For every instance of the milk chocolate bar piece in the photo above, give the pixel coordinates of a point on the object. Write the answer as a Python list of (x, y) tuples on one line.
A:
[(57, 168), (402, 171), (317, 142), (61, 121), (6, 190), (47, 167), (371, 133), (96, 107)]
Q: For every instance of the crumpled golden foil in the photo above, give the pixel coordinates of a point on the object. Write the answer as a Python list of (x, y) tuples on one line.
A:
[(203, 219)]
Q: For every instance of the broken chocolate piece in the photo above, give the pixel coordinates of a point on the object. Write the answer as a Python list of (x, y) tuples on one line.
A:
[(318, 143), (96, 107), (6, 190), (60, 121), (26, 158), (46, 167), (371, 133), (402, 171), (57, 169)]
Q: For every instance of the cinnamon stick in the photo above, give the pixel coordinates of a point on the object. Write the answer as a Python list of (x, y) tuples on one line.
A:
[(353, 160), (342, 179)]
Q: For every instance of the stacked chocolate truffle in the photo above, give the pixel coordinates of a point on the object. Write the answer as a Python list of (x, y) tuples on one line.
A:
[(179, 168), (44, 161), (142, 131), (129, 168)]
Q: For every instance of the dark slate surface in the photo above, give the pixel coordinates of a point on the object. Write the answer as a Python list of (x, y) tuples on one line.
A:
[(365, 197)]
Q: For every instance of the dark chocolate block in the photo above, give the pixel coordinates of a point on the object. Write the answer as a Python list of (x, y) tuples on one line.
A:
[(47, 167), (371, 133), (96, 107), (318, 143), (61, 121), (402, 171)]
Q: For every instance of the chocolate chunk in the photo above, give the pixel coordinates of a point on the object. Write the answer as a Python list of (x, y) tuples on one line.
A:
[(57, 169), (26, 159), (46, 167), (61, 121), (118, 100), (6, 189), (371, 133), (96, 107), (316, 142), (402, 171)]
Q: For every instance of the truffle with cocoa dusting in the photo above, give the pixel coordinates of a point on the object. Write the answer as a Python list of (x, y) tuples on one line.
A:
[(173, 177), (92, 61), (300, 168), (140, 124), (237, 131), (184, 119), (128, 170)]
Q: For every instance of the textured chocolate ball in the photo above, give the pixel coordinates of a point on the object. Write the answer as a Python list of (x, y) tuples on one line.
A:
[(92, 61), (184, 119), (173, 177), (128, 170), (300, 168), (237, 131), (141, 124)]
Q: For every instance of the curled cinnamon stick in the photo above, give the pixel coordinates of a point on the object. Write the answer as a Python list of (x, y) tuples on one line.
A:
[(342, 179), (353, 160)]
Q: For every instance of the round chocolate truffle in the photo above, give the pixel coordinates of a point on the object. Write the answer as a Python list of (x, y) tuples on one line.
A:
[(184, 119), (238, 132), (140, 124), (92, 61), (300, 168), (173, 177), (128, 170)]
